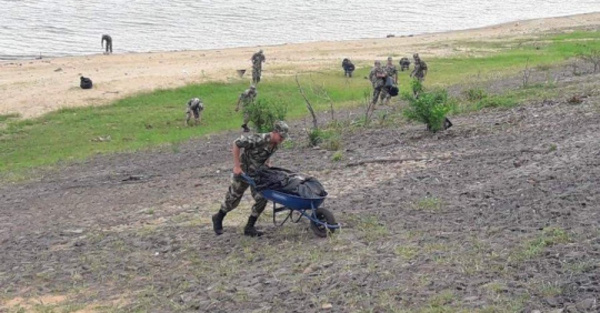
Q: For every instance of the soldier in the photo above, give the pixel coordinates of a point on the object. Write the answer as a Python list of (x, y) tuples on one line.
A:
[(108, 40), (257, 151), (348, 67), (257, 60), (391, 81), (195, 107), (246, 98), (404, 64), (420, 70), (377, 78)]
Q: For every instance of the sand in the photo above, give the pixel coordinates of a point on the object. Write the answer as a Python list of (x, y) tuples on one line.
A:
[(34, 87)]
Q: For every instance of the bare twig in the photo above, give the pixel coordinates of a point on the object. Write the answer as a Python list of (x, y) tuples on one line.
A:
[(308, 105)]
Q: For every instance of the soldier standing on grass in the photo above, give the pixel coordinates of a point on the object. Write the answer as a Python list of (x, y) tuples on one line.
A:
[(246, 98), (392, 74), (420, 70), (257, 151), (257, 60), (404, 64), (377, 78)]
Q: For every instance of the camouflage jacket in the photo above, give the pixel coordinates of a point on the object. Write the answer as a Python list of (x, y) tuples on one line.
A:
[(248, 96), (420, 66), (257, 150), (391, 70), (257, 60), (377, 82)]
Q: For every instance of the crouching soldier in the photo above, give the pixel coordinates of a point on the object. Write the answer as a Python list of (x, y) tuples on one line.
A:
[(195, 107), (348, 67), (404, 64), (250, 152)]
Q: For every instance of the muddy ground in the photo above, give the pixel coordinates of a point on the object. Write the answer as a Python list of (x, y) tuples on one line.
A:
[(500, 213)]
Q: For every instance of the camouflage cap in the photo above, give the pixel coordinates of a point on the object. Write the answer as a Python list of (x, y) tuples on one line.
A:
[(389, 58), (416, 55), (282, 128), (252, 87)]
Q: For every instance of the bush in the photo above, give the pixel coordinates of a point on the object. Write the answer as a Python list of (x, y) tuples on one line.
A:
[(264, 114), (497, 101), (430, 108), (475, 94), (329, 139)]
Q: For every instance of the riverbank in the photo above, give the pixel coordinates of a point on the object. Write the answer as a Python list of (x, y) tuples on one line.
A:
[(32, 88)]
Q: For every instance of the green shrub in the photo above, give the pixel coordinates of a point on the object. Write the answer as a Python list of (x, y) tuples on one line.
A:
[(497, 101), (416, 86), (337, 156), (430, 108), (264, 114), (475, 94), (329, 139)]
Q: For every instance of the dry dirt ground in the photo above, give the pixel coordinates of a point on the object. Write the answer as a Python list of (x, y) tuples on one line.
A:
[(498, 214)]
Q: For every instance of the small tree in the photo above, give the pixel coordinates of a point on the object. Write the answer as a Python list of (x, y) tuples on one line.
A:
[(429, 107), (264, 114)]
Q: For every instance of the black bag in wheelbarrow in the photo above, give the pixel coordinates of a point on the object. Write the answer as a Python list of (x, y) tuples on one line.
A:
[(286, 181)]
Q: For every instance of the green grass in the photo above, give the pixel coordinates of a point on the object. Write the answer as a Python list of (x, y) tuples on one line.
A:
[(156, 118)]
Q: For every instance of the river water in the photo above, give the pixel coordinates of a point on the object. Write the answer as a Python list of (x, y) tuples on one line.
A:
[(54, 28)]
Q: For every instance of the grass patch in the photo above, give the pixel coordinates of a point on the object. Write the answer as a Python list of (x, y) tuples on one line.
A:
[(433, 204), (5, 117), (157, 118), (533, 248)]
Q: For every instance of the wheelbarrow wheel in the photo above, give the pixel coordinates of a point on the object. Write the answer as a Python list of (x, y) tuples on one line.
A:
[(325, 216)]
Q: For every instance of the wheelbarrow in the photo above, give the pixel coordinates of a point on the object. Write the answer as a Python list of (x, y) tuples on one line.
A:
[(322, 221)]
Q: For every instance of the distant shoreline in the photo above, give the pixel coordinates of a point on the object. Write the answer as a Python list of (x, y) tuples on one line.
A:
[(31, 88), (9, 58)]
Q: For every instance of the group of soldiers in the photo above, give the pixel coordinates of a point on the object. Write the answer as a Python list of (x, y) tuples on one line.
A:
[(195, 105), (385, 78)]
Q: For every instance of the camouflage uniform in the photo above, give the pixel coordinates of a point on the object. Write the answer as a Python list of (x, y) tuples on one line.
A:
[(257, 150), (246, 98), (257, 60), (108, 40), (404, 64), (378, 82), (195, 107), (419, 70), (392, 72)]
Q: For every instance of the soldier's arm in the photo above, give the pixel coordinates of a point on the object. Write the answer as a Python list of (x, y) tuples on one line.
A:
[(237, 165)]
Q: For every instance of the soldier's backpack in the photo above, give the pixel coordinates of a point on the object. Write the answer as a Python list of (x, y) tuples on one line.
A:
[(85, 83)]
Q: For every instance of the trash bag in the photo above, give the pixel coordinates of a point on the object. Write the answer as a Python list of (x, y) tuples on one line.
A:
[(394, 90), (286, 181), (85, 83)]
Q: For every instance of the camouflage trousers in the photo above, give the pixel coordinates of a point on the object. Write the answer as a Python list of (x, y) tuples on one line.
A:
[(256, 75), (377, 92), (235, 193), (246, 117)]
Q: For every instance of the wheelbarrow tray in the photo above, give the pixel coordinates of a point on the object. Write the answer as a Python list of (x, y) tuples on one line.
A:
[(292, 201)]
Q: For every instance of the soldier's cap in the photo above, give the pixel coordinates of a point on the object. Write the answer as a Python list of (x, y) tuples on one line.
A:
[(282, 128), (260, 51), (389, 58), (252, 87), (416, 55)]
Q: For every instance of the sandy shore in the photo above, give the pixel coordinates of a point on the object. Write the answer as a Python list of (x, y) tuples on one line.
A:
[(35, 87)]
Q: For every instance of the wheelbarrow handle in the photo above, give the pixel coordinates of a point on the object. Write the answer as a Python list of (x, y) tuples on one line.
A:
[(248, 179)]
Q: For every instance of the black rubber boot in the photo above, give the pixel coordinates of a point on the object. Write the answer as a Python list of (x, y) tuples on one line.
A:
[(217, 220), (249, 230), (246, 129)]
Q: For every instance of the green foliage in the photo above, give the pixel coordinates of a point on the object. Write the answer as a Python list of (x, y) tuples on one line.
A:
[(264, 114), (429, 108), (475, 94), (330, 139), (337, 156), (496, 101), (416, 86)]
